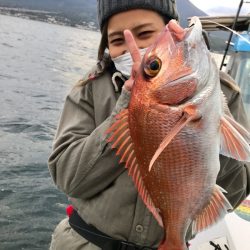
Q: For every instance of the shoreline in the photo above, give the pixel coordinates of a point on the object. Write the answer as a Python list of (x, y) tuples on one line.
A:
[(48, 17)]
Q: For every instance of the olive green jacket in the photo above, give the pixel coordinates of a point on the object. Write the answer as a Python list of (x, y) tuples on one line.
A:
[(84, 166)]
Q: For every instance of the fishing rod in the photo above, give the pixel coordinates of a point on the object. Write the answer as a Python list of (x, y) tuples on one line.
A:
[(231, 34)]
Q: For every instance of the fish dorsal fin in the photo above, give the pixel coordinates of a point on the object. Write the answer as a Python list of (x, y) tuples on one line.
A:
[(120, 139), (234, 139), (217, 208), (190, 113)]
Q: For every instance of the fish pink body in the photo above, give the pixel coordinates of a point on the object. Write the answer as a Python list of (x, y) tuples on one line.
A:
[(172, 133)]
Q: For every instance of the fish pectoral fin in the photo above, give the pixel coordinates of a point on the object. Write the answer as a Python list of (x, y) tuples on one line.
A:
[(186, 118), (234, 139), (120, 139), (217, 208)]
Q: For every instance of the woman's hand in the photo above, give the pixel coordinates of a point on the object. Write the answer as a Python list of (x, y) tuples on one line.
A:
[(136, 57), (173, 26)]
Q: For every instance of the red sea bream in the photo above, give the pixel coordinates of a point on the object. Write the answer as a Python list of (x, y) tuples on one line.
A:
[(170, 137)]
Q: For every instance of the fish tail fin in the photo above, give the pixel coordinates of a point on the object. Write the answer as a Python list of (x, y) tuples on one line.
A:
[(217, 208), (235, 139)]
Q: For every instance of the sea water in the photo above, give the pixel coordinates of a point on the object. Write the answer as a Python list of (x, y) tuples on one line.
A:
[(39, 63)]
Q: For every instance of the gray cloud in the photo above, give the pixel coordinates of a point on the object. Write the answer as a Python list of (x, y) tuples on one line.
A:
[(222, 10)]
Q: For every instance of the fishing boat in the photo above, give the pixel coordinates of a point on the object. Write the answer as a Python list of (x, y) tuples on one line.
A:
[(235, 58)]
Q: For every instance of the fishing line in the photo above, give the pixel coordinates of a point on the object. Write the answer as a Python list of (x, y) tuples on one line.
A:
[(235, 32)]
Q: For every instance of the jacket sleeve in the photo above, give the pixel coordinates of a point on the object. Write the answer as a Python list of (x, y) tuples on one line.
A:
[(82, 162), (234, 176)]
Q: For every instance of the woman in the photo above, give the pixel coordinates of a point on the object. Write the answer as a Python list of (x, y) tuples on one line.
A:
[(108, 213)]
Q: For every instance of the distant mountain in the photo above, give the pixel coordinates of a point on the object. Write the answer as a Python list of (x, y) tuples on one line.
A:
[(73, 6), (82, 12), (186, 9), (76, 10), (79, 10)]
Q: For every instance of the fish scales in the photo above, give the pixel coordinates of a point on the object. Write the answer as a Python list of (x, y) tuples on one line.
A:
[(180, 152)]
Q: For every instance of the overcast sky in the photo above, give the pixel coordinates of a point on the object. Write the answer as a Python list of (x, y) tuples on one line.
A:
[(220, 7)]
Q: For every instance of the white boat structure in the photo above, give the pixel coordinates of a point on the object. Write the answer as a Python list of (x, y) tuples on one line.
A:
[(231, 233)]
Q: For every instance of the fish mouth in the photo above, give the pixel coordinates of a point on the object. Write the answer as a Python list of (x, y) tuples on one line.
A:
[(194, 31)]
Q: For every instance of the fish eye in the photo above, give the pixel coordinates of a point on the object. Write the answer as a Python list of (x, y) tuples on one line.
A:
[(152, 67)]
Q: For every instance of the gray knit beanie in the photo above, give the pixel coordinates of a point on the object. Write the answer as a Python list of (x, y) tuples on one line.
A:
[(107, 8)]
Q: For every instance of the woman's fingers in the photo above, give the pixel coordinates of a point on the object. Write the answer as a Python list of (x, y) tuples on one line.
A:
[(132, 46), (136, 57)]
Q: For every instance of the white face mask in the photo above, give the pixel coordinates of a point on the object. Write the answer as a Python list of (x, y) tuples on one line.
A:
[(124, 62)]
